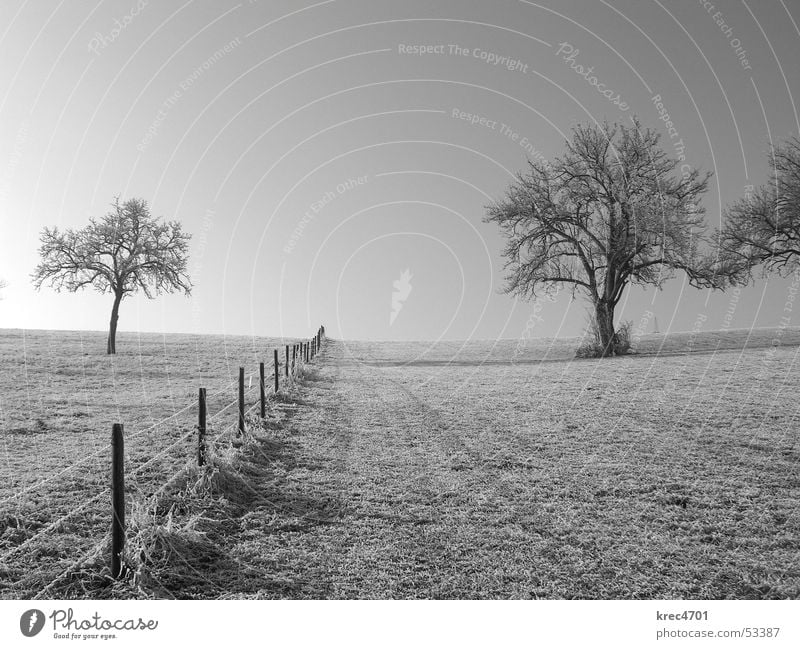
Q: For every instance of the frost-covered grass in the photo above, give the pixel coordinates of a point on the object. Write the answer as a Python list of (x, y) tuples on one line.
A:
[(478, 471), (59, 396)]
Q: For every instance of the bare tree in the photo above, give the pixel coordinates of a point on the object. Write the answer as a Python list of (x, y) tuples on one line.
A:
[(124, 251), (610, 212), (764, 227)]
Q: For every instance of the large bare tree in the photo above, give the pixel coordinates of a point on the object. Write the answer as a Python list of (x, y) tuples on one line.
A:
[(613, 210), (764, 227), (125, 251)]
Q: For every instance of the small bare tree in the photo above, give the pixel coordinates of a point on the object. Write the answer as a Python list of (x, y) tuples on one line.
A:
[(124, 251), (610, 212), (764, 228)]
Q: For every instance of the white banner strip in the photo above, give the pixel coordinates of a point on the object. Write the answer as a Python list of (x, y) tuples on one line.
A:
[(373, 624)]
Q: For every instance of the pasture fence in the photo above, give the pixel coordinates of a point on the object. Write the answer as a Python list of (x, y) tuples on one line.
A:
[(116, 535)]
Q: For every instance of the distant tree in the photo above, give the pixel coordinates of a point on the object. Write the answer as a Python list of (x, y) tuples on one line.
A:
[(764, 227), (124, 251), (610, 212)]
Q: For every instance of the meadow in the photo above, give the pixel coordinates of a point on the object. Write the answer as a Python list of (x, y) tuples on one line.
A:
[(488, 469), (60, 395)]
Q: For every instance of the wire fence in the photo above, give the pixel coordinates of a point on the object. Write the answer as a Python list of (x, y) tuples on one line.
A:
[(64, 545), (103, 450)]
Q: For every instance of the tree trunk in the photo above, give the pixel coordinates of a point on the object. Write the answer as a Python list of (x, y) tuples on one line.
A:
[(604, 317), (112, 328)]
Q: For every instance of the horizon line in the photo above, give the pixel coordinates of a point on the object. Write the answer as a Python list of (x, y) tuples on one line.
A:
[(385, 340)]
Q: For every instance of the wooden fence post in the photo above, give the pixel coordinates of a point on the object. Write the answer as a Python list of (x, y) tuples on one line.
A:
[(286, 369), (276, 371), (294, 357), (201, 428), (117, 500), (262, 395), (241, 401)]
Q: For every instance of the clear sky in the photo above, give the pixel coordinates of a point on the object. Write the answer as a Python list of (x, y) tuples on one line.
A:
[(315, 154)]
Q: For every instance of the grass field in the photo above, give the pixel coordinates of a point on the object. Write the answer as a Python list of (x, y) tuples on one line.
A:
[(60, 395), (401, 470)]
